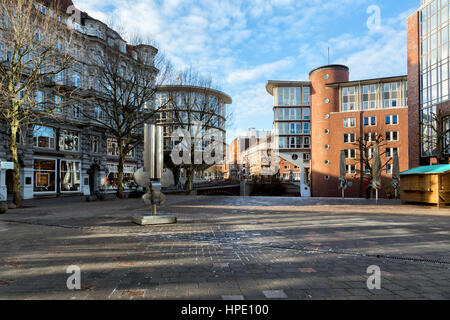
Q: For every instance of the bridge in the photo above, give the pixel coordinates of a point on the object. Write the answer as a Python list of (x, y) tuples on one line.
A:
[(218, 188)]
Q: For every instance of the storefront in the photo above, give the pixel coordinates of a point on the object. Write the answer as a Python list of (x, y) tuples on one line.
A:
[(56, 176), (113, 173)]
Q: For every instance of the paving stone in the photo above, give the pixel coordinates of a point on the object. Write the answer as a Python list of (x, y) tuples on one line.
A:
[(307, 270), (233, 298), (275, 294), (293, 248)]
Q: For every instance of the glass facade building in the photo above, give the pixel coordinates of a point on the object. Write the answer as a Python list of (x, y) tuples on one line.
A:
[(434, 68)]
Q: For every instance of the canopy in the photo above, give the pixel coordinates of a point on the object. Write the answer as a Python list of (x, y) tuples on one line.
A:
[(437, 169)]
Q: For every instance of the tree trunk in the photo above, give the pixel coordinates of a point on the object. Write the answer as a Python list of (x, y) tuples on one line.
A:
[(15, 158), (120, 191), (190, 179)]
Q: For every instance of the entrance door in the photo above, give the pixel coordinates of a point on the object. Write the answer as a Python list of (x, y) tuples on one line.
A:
[(9, 181), (93, 179)]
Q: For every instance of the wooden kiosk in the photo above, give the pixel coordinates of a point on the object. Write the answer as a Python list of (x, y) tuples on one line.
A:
[(430, 184)]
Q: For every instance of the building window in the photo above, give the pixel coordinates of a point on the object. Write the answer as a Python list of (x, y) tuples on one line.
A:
[(70, 176), (113, 147), (59, 77), (349, 99), (391, 95), (368, 153), (370, 137), (43, 137), (390, 152), (391, 120), (370, 121), (389, 169), (58, 104), (99, 113), (39, 100), (306, 96), (349, 138), (350, 154), (306, 156), (446, 126), (288, 97), (76, 77), (292, 144), (369, 97), (306, 129), (44, 175), (349, 122), (327, 162), (69, 141), (306, 114), (306, 142), (327, 147), (95, 144), (132, 153), (298, 142), (392, 136), (326, 178), (123, 47), (75, 112), (350, 168), (112, 180)]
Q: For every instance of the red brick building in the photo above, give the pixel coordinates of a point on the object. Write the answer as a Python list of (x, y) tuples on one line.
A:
[(428, 78), (344, 113)]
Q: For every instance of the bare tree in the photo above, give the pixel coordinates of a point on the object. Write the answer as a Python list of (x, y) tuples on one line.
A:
[(363, 146), (122, 100), (436, 134), (35, 49), (195, 108)]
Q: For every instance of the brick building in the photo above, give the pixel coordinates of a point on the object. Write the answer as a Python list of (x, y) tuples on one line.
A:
[(428, 78), (345, 113), (340, 114)]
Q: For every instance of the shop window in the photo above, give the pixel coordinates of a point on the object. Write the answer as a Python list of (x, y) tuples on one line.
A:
[(44, 175), (70, 176)]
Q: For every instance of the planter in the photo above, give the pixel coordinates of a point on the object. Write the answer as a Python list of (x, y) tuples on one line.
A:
[(3, 207)]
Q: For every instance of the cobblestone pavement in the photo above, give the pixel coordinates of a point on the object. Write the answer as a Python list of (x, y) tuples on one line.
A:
[(226, 248)]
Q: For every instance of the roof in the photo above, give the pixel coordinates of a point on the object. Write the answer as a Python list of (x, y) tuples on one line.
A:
[(330, 67), (272, 84), (437, 169), (367, 81), (226, 98)]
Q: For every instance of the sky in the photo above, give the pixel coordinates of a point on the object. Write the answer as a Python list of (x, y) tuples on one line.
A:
[(244, 43)]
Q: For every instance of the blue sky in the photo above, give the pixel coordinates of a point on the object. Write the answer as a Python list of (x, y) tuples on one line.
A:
[(242, 44)]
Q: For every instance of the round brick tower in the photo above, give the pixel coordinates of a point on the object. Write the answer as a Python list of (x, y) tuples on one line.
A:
[(324, 102)]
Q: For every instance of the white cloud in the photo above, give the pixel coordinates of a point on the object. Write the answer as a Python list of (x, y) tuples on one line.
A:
[(245, 43), (380, 53), (266, 70)]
